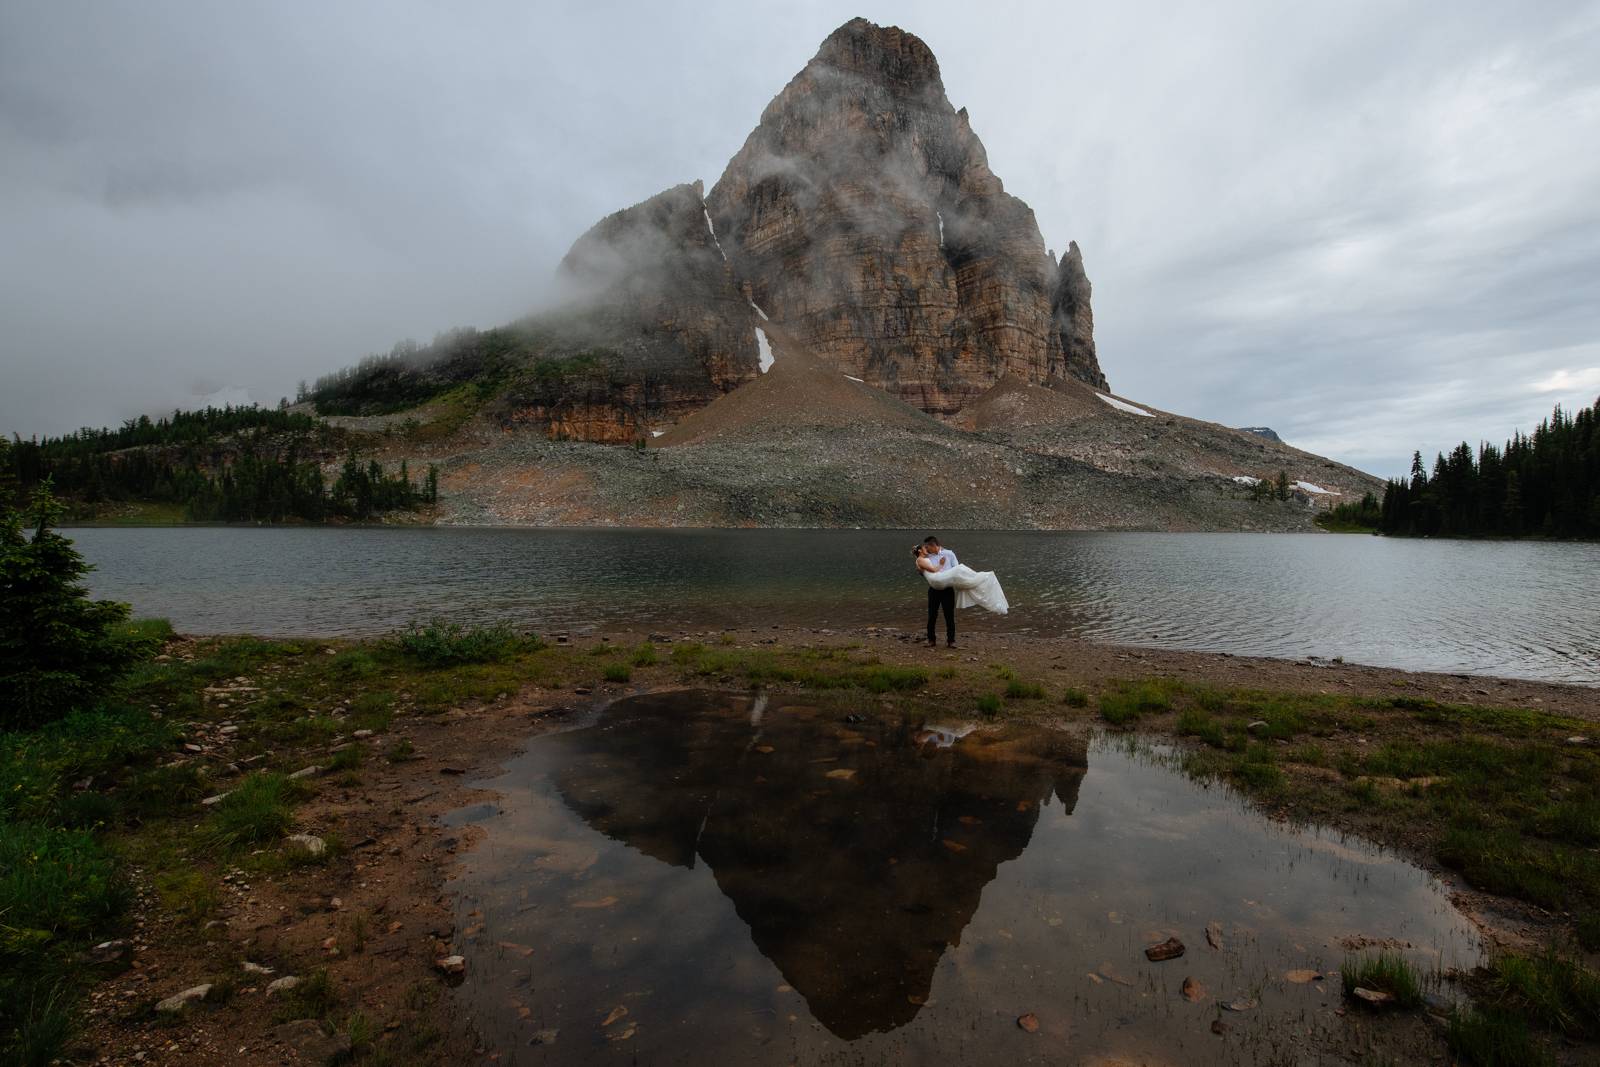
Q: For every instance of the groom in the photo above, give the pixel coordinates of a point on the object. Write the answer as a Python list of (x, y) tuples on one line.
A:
[(942, 559)]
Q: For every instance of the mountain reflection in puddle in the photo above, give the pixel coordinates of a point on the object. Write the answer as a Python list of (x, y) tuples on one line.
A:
[(700, 875)]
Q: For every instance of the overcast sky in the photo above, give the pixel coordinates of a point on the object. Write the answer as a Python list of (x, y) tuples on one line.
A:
[(1372, 226)]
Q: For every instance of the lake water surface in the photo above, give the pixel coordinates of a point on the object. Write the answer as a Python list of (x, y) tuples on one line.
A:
[(703, 877), (1517, 609)]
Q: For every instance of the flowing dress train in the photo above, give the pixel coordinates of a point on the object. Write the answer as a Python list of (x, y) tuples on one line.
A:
[(973, 588)]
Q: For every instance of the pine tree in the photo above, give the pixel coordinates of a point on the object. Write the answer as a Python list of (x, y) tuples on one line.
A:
[(59, 650)]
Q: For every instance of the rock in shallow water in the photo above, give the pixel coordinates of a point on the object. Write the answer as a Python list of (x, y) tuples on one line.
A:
[(1170, 949)]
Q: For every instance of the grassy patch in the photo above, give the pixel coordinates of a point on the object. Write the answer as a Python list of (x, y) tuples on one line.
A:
[(1018, 690), (1128, 700), (39, 1018), (1193, 722), (617, 672), (260, 809), (188, 893), (1386, 972), (1500, 860), (54, 883), (38, 767), (312, 998), (442, 643), (1075, 698), (1494, 1038), (989, 704), (822, 668), (1553, 992)]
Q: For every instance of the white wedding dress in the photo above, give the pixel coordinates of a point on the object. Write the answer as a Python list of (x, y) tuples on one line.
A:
[(973, 588)]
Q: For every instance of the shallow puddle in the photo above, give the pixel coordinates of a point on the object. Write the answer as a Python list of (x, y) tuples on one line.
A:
[(706, 877)]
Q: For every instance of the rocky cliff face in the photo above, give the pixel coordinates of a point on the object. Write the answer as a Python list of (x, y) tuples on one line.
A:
[(863, 215), (657, 327), (1072, 319)]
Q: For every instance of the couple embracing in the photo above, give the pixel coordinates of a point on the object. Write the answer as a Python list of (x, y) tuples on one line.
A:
[(951, 585)]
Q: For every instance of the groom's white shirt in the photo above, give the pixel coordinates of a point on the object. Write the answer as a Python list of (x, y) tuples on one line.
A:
[(945, 559)]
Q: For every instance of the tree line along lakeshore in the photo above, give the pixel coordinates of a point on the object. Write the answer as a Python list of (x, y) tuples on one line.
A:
[(230, 464), (1543, 484)]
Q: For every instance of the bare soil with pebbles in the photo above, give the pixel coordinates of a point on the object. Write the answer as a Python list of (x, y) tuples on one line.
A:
[(806, 446)]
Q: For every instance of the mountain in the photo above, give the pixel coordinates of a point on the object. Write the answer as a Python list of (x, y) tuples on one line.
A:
[(1263, 431), (863, 215), (855, 325)]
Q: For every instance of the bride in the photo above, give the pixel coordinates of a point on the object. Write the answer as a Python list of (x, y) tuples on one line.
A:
[(973, 588)]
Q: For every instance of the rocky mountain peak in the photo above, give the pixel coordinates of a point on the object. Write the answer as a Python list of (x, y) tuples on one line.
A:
[(862, 216), (886, 54)]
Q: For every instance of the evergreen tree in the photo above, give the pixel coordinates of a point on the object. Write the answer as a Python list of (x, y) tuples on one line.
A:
[(59, 650), (1545, 483)]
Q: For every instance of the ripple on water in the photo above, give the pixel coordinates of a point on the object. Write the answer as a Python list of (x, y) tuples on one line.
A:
[(694, 878)]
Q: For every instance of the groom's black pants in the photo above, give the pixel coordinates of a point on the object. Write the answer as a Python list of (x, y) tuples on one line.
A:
[(946, 599)]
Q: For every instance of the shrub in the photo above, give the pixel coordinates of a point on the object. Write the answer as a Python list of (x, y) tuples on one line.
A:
[(59, 650), (442, 643)]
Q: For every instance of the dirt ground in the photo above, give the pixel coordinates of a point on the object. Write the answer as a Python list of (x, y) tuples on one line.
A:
[(379, 916)]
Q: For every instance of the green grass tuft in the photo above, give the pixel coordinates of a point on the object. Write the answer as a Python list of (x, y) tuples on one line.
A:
[(1551, 991), (1124, 704), (313, 998), (39, 1017), (1494, 1038), (260, 809), (1018, 690), (618, 672), (1386, 972), (1192, 722), (442, 643)]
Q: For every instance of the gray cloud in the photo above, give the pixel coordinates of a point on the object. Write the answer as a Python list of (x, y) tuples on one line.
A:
[(1370, 226)]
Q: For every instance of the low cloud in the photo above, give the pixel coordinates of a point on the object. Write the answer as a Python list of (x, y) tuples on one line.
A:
[(1370, 226)]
